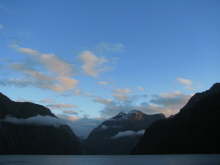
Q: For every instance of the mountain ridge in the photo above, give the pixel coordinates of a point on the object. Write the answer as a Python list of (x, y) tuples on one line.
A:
[(120, 133), (22, 132), (193, 130)]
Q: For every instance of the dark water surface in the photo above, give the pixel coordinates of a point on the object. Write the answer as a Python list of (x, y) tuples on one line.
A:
[(110, 160)]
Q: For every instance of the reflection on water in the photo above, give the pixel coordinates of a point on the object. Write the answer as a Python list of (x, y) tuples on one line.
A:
[(111, 160)]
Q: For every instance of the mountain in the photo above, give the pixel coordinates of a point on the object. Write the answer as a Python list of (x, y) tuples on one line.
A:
[(119, 134), (28, 128), (195, 129), (21, 109)]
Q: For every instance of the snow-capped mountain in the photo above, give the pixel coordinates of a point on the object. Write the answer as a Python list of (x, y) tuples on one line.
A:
[(120, 133), (133, 121)]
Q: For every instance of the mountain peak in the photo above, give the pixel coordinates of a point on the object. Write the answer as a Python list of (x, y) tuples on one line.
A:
[(193, 130), (198, 97), (124, 130), (21, 109), (4, 98), (136, 114), (134, 111), (215, 87), (119, 115), (130, 115)]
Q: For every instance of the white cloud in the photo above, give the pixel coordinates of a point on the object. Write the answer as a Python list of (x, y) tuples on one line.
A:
[(64, 84), (46, 101), (121, 93), (52, 104), (92, 64), (116, 105), (82, 126), (56, 75), (52, 62), (121, 97), (41, 80), (36, 120), (141, 88), (170, 95), (56, 65), (169, 103), (102, 100), (27, 50), (72, 118), (62, 106), (31, 72), (186, 82), (166, 103), (128, 133), (80, 92)]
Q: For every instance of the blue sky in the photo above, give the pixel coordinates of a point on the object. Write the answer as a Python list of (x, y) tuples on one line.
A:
[(93, 59)]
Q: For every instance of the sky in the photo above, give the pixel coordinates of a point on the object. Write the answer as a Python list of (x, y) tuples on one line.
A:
[(89, 60)]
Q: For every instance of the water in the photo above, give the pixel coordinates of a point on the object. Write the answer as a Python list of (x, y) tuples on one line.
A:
[(110, 160)]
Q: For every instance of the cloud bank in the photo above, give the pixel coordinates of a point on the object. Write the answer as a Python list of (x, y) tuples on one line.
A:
[(82, 126), (166, 103), (36, 120), (43, 70), (128, 133)]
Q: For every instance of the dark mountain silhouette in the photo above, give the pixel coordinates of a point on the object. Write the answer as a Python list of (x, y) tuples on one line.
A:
[(18, 137), (21, 109), (195, 129), (119, 134)]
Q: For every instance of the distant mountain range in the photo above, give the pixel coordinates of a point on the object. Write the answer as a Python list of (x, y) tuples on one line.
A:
[(118, 135), (27, 128), (195, 129)]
